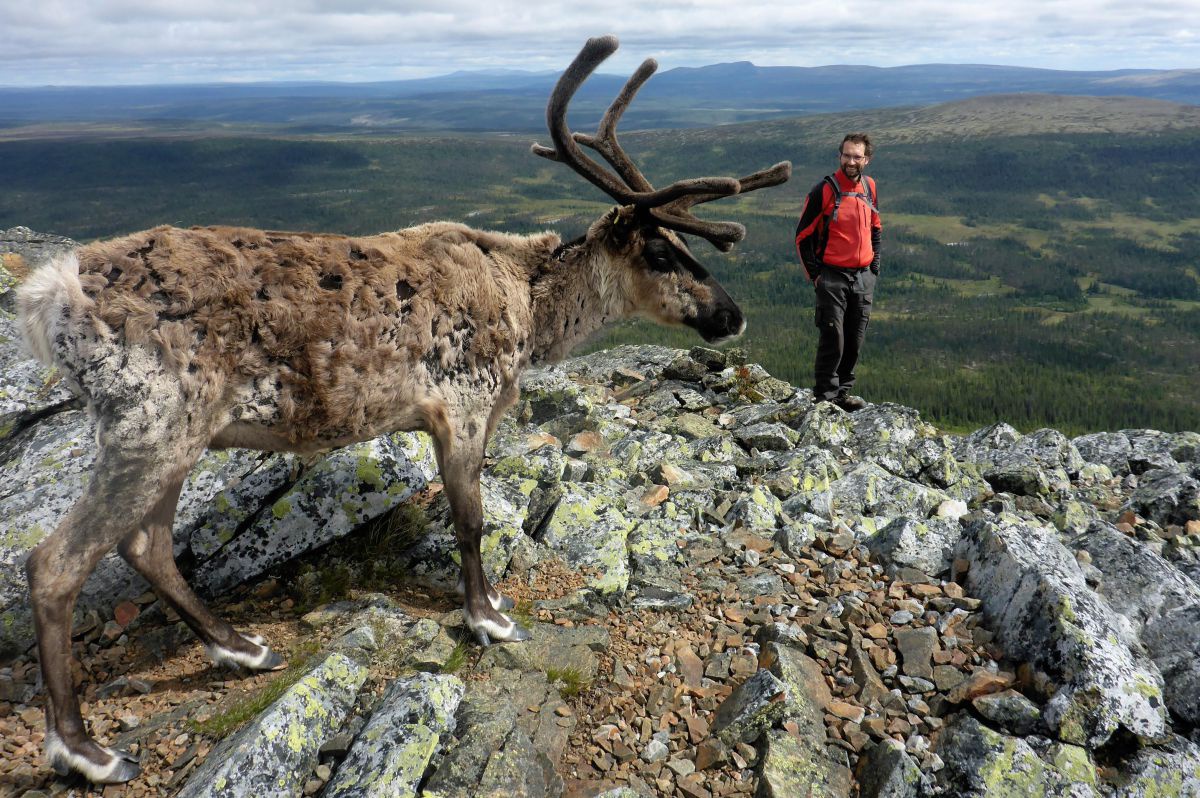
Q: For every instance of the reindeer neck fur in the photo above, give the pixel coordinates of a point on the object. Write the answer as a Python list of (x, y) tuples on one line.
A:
[(575, 295)]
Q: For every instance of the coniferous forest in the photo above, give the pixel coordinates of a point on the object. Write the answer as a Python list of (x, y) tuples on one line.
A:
[(1040, 279)]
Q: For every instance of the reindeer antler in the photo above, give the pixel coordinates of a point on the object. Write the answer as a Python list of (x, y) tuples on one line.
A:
[(670, 206)]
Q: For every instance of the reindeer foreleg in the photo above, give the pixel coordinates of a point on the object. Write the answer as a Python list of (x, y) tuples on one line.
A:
[(460, 453)]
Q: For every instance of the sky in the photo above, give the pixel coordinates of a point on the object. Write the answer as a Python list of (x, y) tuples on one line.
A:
[(110, 42)]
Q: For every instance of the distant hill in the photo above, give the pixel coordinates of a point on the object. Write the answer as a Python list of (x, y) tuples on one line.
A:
[(981, 117), (515, 101)]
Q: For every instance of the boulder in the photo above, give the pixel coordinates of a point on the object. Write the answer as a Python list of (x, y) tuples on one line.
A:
[(391, 753), (1037, 602), (275, 752)]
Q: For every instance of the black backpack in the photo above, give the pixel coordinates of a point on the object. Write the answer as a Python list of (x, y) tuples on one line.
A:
[(867, 194)]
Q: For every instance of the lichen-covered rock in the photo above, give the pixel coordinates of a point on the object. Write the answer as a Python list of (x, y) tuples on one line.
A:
[(806, 695), (1110, 449), (1173, 638), (1010, 711), (275, 752), (753, 707), (889, 435), (1166, 496), (607, 365), (391, 753), (547, 393), (795, 765), (796, 535), (350, 486), (553, 650), (1170, 770), (1151, 449), (1030, 465), (500, 747), (1035, 598), (885, 770), (654, 548), (868, 490), (767, 436), (825, 426), (927, 545), (982, 763), (803, 472), (27, 387), (757, 509), (588, 531)]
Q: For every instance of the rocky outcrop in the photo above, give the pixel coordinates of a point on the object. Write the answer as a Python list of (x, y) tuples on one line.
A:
[(821, 601)]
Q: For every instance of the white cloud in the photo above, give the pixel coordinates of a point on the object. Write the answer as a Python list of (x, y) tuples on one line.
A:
[(125, 41)]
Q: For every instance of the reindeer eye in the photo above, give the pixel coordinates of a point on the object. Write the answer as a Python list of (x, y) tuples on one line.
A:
[(658, 255)]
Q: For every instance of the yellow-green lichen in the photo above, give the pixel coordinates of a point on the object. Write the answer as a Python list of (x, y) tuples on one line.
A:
[(369, 471)]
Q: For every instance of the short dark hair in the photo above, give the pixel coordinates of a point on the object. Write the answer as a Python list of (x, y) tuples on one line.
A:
[(859, 138)]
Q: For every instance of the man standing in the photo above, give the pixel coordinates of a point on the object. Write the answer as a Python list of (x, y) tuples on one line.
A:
[(838, 243)]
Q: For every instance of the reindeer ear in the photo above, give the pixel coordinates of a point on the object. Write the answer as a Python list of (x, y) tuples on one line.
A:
[(623, 222)]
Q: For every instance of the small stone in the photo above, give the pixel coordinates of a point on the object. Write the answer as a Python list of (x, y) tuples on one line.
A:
[(125, 612), (654, 751), (847, 711)]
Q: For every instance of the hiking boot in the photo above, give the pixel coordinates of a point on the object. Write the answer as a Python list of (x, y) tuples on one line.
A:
[(850, 403)]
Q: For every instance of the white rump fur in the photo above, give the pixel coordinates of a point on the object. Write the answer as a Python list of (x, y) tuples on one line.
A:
[(42, 300)]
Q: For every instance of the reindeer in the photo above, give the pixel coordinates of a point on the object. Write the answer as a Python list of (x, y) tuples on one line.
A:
[(180, 340)]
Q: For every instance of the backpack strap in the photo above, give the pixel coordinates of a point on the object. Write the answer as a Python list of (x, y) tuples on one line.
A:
[(868, 193)]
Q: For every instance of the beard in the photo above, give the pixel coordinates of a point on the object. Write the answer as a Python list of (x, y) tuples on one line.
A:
[(852, 171)]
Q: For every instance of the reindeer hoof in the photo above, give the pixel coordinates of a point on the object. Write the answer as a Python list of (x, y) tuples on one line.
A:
[(126, 768), (483, 638), (264, 660), (120, 767)]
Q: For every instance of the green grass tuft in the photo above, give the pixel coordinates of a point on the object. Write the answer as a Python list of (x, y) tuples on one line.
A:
[(222, 724), (569, 681)]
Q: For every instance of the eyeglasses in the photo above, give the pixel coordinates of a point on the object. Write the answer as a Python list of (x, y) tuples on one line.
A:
[(856, 158)]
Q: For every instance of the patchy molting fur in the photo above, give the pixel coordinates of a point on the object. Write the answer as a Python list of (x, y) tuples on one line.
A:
[(224, 336)]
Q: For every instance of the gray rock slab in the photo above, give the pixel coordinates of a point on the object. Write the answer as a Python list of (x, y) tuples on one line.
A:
[(588, 531), (275, 752), (553, 650), (391, 753), (926, 544), (982, 763), (1166, 496), (869, 490), (348, 487), (1037, 602), (796, 765), (753, 707), (1170, 770), (885, 770)]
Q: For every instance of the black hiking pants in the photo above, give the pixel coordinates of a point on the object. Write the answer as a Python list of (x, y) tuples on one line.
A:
[(843, 310)]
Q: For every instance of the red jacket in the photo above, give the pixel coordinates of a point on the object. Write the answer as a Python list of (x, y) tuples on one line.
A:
[(853, 239)]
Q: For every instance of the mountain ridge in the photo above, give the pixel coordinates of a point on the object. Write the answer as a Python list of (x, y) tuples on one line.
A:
[(682, 97)]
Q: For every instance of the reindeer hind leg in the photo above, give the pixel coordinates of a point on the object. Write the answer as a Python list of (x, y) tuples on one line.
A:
[(121, 487), (150, 551)]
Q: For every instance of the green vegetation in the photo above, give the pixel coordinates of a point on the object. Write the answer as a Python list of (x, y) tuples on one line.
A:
[(457, 659), (570, 682), (223, 723), (1042, 280), (365, 560)]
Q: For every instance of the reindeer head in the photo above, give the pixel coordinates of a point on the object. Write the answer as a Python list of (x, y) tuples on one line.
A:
[(651, 268)]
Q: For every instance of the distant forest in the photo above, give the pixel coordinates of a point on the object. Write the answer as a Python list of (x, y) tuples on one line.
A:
[(1041, 280)]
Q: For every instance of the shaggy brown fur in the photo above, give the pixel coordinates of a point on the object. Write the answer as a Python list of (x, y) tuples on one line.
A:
[(180, 340)]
